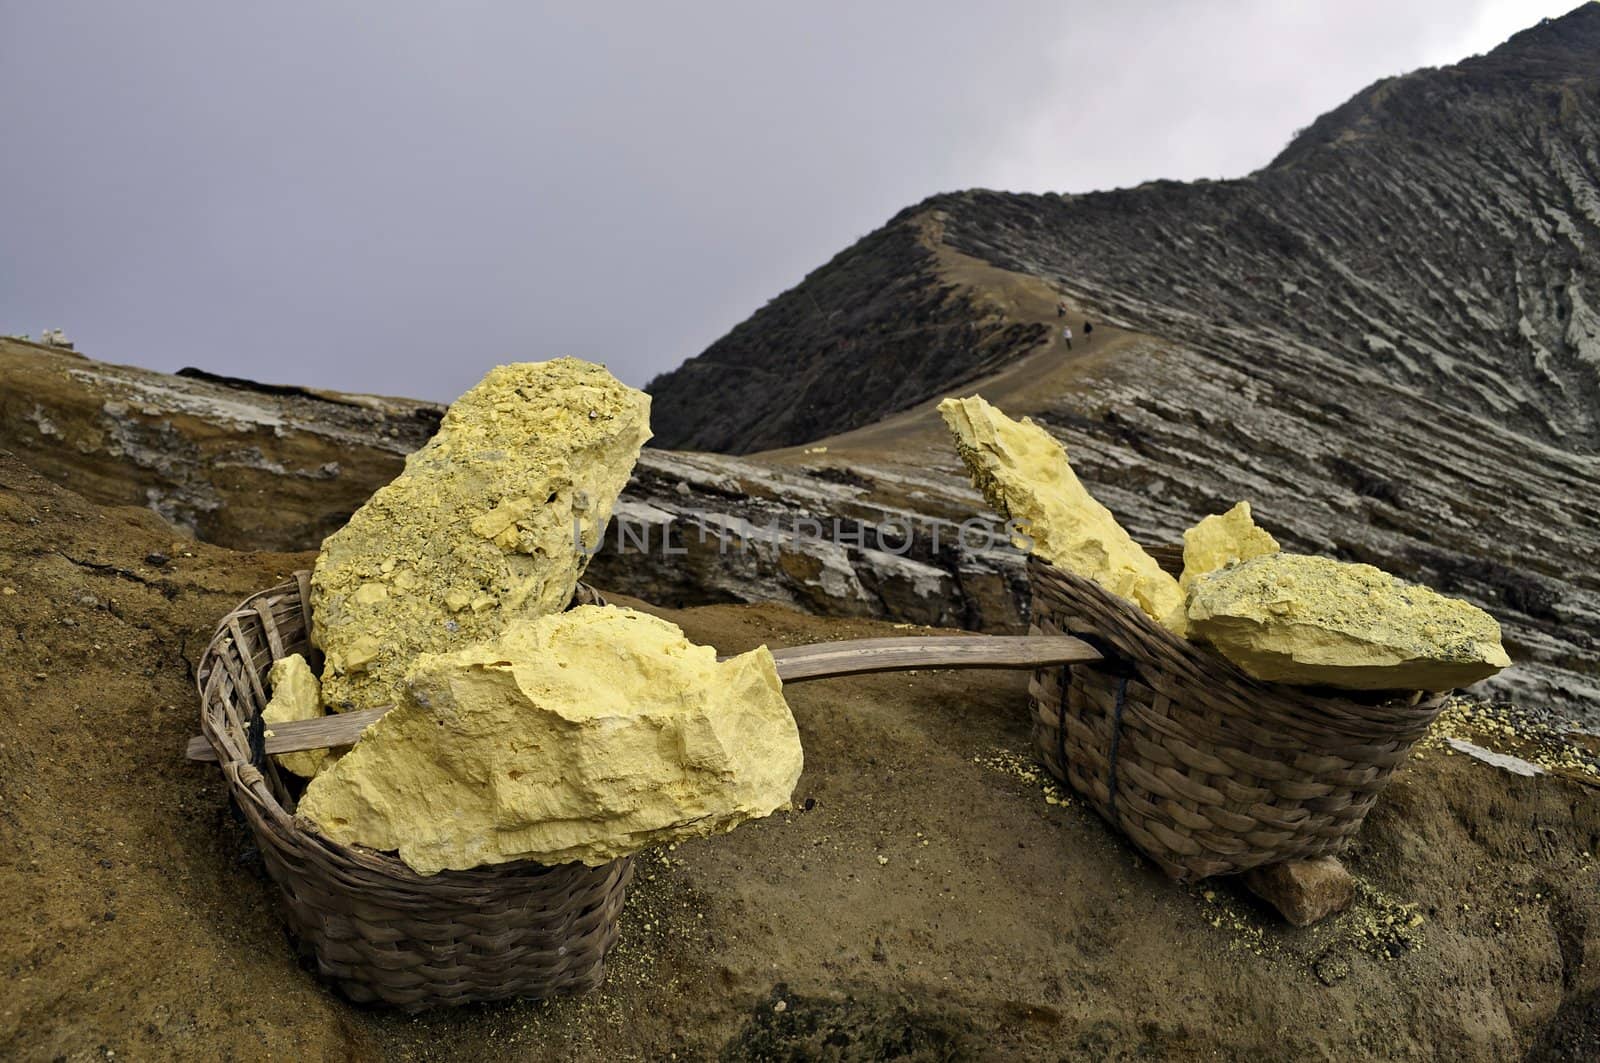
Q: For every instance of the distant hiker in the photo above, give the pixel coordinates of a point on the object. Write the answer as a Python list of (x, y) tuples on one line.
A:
[(1066, 334), (1061, 308), (1087, 330)]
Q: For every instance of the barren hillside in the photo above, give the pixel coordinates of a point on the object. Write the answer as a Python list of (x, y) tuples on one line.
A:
[(1388, 340)]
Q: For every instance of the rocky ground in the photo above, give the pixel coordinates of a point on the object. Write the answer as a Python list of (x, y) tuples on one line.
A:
[(931, 896)]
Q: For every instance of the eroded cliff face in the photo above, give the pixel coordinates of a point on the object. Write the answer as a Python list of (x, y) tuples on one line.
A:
[(239, 464), (257, 466), (1437, 233), (694, 529)]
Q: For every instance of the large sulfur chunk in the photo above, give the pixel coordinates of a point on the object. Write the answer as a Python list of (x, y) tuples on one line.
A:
[(296, 695), (583, 736), (1223, 539), (1292, 618), (491, 520), (1024, 474)]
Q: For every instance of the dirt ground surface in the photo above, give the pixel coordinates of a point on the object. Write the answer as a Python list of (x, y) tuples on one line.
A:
[(932, 896)]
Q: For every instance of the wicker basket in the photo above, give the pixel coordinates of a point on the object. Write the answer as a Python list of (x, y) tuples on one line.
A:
[(1205, 769), (378, 930)]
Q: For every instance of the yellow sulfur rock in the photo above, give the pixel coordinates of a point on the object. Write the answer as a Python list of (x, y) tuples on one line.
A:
[(481, 528), (1222, 539), (1024, 474), (583, 736), (1314, 621), (296, 695)]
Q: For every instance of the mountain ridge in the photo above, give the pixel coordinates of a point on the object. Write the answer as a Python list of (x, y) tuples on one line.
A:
[(1543, 55), (1389, 342), (832, 368)]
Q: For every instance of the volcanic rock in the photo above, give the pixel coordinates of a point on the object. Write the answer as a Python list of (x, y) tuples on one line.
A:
[(258, 465), (1290, 618), (492, 520), (1024, 473), (583, 736), (1304, 891)]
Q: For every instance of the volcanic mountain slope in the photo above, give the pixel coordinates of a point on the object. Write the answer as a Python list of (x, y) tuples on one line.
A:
[(877, 329), (1439, 231), (1388, 340)]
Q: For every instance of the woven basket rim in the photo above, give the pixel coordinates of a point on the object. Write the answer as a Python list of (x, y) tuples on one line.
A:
[(1315, 705), (248, 780)]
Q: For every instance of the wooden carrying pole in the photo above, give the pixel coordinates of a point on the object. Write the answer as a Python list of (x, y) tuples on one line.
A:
[(796, 664)]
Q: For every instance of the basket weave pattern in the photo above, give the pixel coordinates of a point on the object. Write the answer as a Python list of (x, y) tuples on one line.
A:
[(378, 930), (1206, 770)]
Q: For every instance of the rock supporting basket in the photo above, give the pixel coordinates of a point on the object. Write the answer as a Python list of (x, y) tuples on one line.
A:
[(378, 930), (1205, 769)]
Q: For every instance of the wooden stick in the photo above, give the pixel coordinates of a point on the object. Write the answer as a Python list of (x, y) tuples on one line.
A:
[(796, 664), (825, 660)]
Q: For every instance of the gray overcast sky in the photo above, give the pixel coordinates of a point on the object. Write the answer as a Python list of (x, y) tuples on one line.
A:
[(393, 197)]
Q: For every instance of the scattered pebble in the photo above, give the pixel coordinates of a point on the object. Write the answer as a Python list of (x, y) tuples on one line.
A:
[(1027, 769), (1506, 728)]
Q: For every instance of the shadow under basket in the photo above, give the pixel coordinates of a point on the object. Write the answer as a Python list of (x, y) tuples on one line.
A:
[(1205, 769), (377, 930)]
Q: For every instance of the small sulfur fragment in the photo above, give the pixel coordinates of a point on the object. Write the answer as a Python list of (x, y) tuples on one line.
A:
[(1221, 540), (296, 695)]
